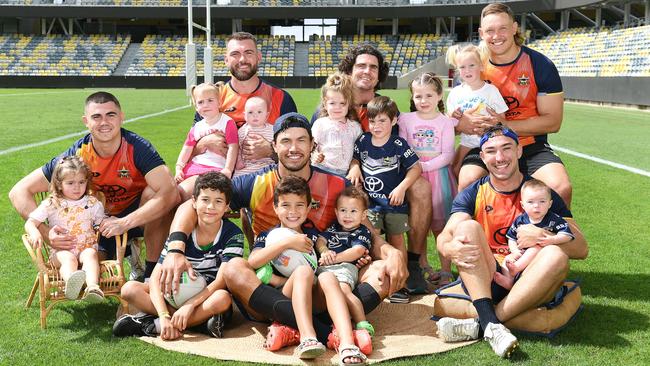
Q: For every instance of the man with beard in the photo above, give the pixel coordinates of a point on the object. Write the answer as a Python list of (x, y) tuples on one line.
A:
[(242, 58)]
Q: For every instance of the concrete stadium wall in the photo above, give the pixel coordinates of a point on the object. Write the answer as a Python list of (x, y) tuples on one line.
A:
[(151, 82), (616, 90)]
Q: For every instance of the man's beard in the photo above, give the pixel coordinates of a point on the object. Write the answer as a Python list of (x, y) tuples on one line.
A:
[(243, 75)]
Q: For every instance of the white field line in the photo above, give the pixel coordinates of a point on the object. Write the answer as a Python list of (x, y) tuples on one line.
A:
[(74, 134), (602, 161), (43, 93)]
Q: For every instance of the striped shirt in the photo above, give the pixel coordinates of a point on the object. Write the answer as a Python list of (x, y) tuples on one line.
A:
[(227, 244)]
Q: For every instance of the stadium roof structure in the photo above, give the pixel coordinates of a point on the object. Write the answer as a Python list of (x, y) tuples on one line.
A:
[(228, 9)]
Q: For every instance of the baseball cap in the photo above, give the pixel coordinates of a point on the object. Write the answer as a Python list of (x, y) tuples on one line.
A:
[(291, 119), (498, 130)]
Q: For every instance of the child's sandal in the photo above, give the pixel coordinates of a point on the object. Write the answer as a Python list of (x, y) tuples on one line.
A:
[(74, 284), (310, 348), (348, 352), (93, 294), (364, 324)]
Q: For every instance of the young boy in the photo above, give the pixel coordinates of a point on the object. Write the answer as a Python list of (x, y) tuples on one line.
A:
[(536, 202), (213, 243), (388, 168), (291, 202), (342, 244)]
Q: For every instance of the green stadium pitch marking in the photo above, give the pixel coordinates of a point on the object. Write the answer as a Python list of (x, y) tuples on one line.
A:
[(602, 161), (52, 140)]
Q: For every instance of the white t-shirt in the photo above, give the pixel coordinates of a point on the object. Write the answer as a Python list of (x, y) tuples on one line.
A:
[(464, 97)]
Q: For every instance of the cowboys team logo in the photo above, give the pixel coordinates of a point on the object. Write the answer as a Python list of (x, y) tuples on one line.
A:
[(123, 173), (373, 184), (523, 80)]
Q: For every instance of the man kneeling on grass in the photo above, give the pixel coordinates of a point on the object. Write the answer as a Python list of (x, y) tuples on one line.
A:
[(213, 242)]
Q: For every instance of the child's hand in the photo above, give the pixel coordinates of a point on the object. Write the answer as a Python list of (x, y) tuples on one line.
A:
[(547, 239), (167, 330), (181, 316), (179, 177), (319, 157), (301, 243), (457, 114), (397, 196), (512, 257), (36, 239), (226, 172), (354, 175), (327, 258)]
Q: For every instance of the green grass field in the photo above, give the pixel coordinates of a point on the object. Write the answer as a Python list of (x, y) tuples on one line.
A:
[(612, 206)]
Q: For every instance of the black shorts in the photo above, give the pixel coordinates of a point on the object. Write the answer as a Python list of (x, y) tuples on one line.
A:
[(107, 245), (498, 292), (535, 156)]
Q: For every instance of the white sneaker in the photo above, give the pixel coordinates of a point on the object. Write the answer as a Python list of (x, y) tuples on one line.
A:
[(137, 269), (503, 343), (456, 330)]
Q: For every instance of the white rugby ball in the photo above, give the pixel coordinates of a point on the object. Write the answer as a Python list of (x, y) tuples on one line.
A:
[(187, 289), (289, 259)]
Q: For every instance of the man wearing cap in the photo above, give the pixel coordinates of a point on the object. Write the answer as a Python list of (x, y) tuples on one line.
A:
[(474, 239), (293, 143)]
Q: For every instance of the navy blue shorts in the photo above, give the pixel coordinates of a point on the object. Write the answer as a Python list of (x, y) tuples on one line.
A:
[(498, 292), (107, 245)]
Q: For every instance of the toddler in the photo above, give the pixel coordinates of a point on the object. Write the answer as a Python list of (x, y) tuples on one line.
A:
[(472, 96), (72, 207), (336, 130), (342, 244), (256, 113), (206, 100)]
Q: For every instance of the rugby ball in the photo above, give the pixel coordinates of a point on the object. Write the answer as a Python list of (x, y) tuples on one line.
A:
[(187, 289), (290, 259)]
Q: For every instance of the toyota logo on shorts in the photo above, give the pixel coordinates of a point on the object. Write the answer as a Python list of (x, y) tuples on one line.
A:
[(373, 184)]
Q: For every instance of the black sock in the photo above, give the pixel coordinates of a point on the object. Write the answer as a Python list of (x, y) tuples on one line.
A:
[(148, 268), (485, 309), (369, 297), (271, 303), (412, 257)]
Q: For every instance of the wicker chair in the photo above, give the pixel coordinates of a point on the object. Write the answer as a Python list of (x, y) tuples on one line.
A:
[(51, 286)]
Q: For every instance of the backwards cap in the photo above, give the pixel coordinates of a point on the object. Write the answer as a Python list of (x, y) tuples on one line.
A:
[(498, 130), (289, 120)]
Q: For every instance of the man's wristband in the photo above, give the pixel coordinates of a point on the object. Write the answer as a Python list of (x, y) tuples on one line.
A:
[(177, 251)]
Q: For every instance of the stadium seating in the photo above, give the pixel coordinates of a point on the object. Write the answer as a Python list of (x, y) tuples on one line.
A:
[(165, 56), (403, 53), (605, 52), (59, 55)]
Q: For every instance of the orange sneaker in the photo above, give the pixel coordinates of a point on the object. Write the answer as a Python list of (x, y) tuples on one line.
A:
[(362, 339), (280, 336)]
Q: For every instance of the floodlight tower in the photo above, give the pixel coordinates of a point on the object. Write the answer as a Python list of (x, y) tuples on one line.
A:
[(190, 48)]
